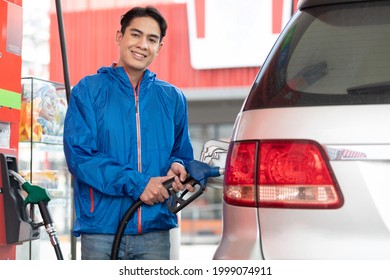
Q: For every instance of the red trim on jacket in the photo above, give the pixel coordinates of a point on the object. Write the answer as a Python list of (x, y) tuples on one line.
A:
[(92, 200)]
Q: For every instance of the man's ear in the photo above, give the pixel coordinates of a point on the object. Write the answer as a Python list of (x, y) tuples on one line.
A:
[(118, 37), (160, 47)]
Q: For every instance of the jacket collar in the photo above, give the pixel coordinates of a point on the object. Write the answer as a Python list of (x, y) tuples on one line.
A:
[(119, 74)]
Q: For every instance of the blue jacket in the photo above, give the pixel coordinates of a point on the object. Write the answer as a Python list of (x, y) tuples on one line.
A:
[(115, 140)]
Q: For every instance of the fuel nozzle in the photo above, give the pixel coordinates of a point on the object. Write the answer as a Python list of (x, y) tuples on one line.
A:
[(35, 194), (197, 174)]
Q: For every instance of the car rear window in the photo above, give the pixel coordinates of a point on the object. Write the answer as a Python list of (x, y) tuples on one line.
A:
[(328, 55)]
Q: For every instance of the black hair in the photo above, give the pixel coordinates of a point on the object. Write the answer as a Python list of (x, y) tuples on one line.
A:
[(148, 11)]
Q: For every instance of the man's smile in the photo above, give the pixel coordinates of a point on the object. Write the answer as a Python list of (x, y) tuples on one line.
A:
[(138, 55)]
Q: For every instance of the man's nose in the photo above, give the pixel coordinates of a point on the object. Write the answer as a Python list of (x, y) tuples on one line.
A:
[(142, 42)]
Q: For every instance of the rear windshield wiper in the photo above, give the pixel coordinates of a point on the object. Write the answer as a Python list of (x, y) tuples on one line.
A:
[(373, 88)]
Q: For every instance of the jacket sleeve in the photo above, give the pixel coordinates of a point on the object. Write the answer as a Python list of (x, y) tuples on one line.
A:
[(182, 151), (84, 159)]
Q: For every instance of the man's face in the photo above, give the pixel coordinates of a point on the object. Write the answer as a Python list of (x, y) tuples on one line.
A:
[(139, 45)]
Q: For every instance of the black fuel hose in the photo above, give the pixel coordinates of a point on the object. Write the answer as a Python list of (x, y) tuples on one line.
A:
[(121, 228), (126, 218), (50, 229), (199, 171)]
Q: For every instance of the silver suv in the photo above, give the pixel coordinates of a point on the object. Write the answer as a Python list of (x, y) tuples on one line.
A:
[(308, 165)]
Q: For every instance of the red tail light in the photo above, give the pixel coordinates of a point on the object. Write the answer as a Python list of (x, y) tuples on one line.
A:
[(280, 173)]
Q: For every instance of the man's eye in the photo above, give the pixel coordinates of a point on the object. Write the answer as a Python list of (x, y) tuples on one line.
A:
[(135, 35)]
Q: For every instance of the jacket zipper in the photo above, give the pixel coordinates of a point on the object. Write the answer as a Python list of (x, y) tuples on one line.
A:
[(136, 92), (138, 125)]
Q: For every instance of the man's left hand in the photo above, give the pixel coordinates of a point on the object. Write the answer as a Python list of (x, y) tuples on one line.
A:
[(180, 173)]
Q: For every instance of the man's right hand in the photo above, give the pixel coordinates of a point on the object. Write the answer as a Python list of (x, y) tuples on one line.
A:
[(155, 192)]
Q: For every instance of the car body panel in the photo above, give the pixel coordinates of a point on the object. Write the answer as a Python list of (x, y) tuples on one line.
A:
[(358, 230), (354, 136), (366, 194), (241, 239)]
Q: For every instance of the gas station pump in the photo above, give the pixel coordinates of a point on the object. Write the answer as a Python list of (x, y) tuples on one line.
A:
[(18, 225), (17, 196), (11, 24)]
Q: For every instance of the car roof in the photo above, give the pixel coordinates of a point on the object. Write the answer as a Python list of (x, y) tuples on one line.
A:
[(302, 4)]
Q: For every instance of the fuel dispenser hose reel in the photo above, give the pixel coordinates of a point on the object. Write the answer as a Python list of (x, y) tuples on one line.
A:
[(197, 174)]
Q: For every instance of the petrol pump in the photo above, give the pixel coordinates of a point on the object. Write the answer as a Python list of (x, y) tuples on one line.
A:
[(15, 225)]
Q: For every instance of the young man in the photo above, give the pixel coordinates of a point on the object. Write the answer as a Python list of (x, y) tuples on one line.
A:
[(125, 133)]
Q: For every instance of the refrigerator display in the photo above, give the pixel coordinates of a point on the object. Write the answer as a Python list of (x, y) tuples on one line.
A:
[(42, 161)]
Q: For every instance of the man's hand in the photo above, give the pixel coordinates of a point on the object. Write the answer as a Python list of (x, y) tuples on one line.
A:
[(155, 192), (180, 173)]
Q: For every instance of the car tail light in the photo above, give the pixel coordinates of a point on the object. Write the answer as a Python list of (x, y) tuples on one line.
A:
[(280, 173)]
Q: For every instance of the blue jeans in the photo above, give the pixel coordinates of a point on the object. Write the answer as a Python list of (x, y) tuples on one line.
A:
[(147, 246)]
